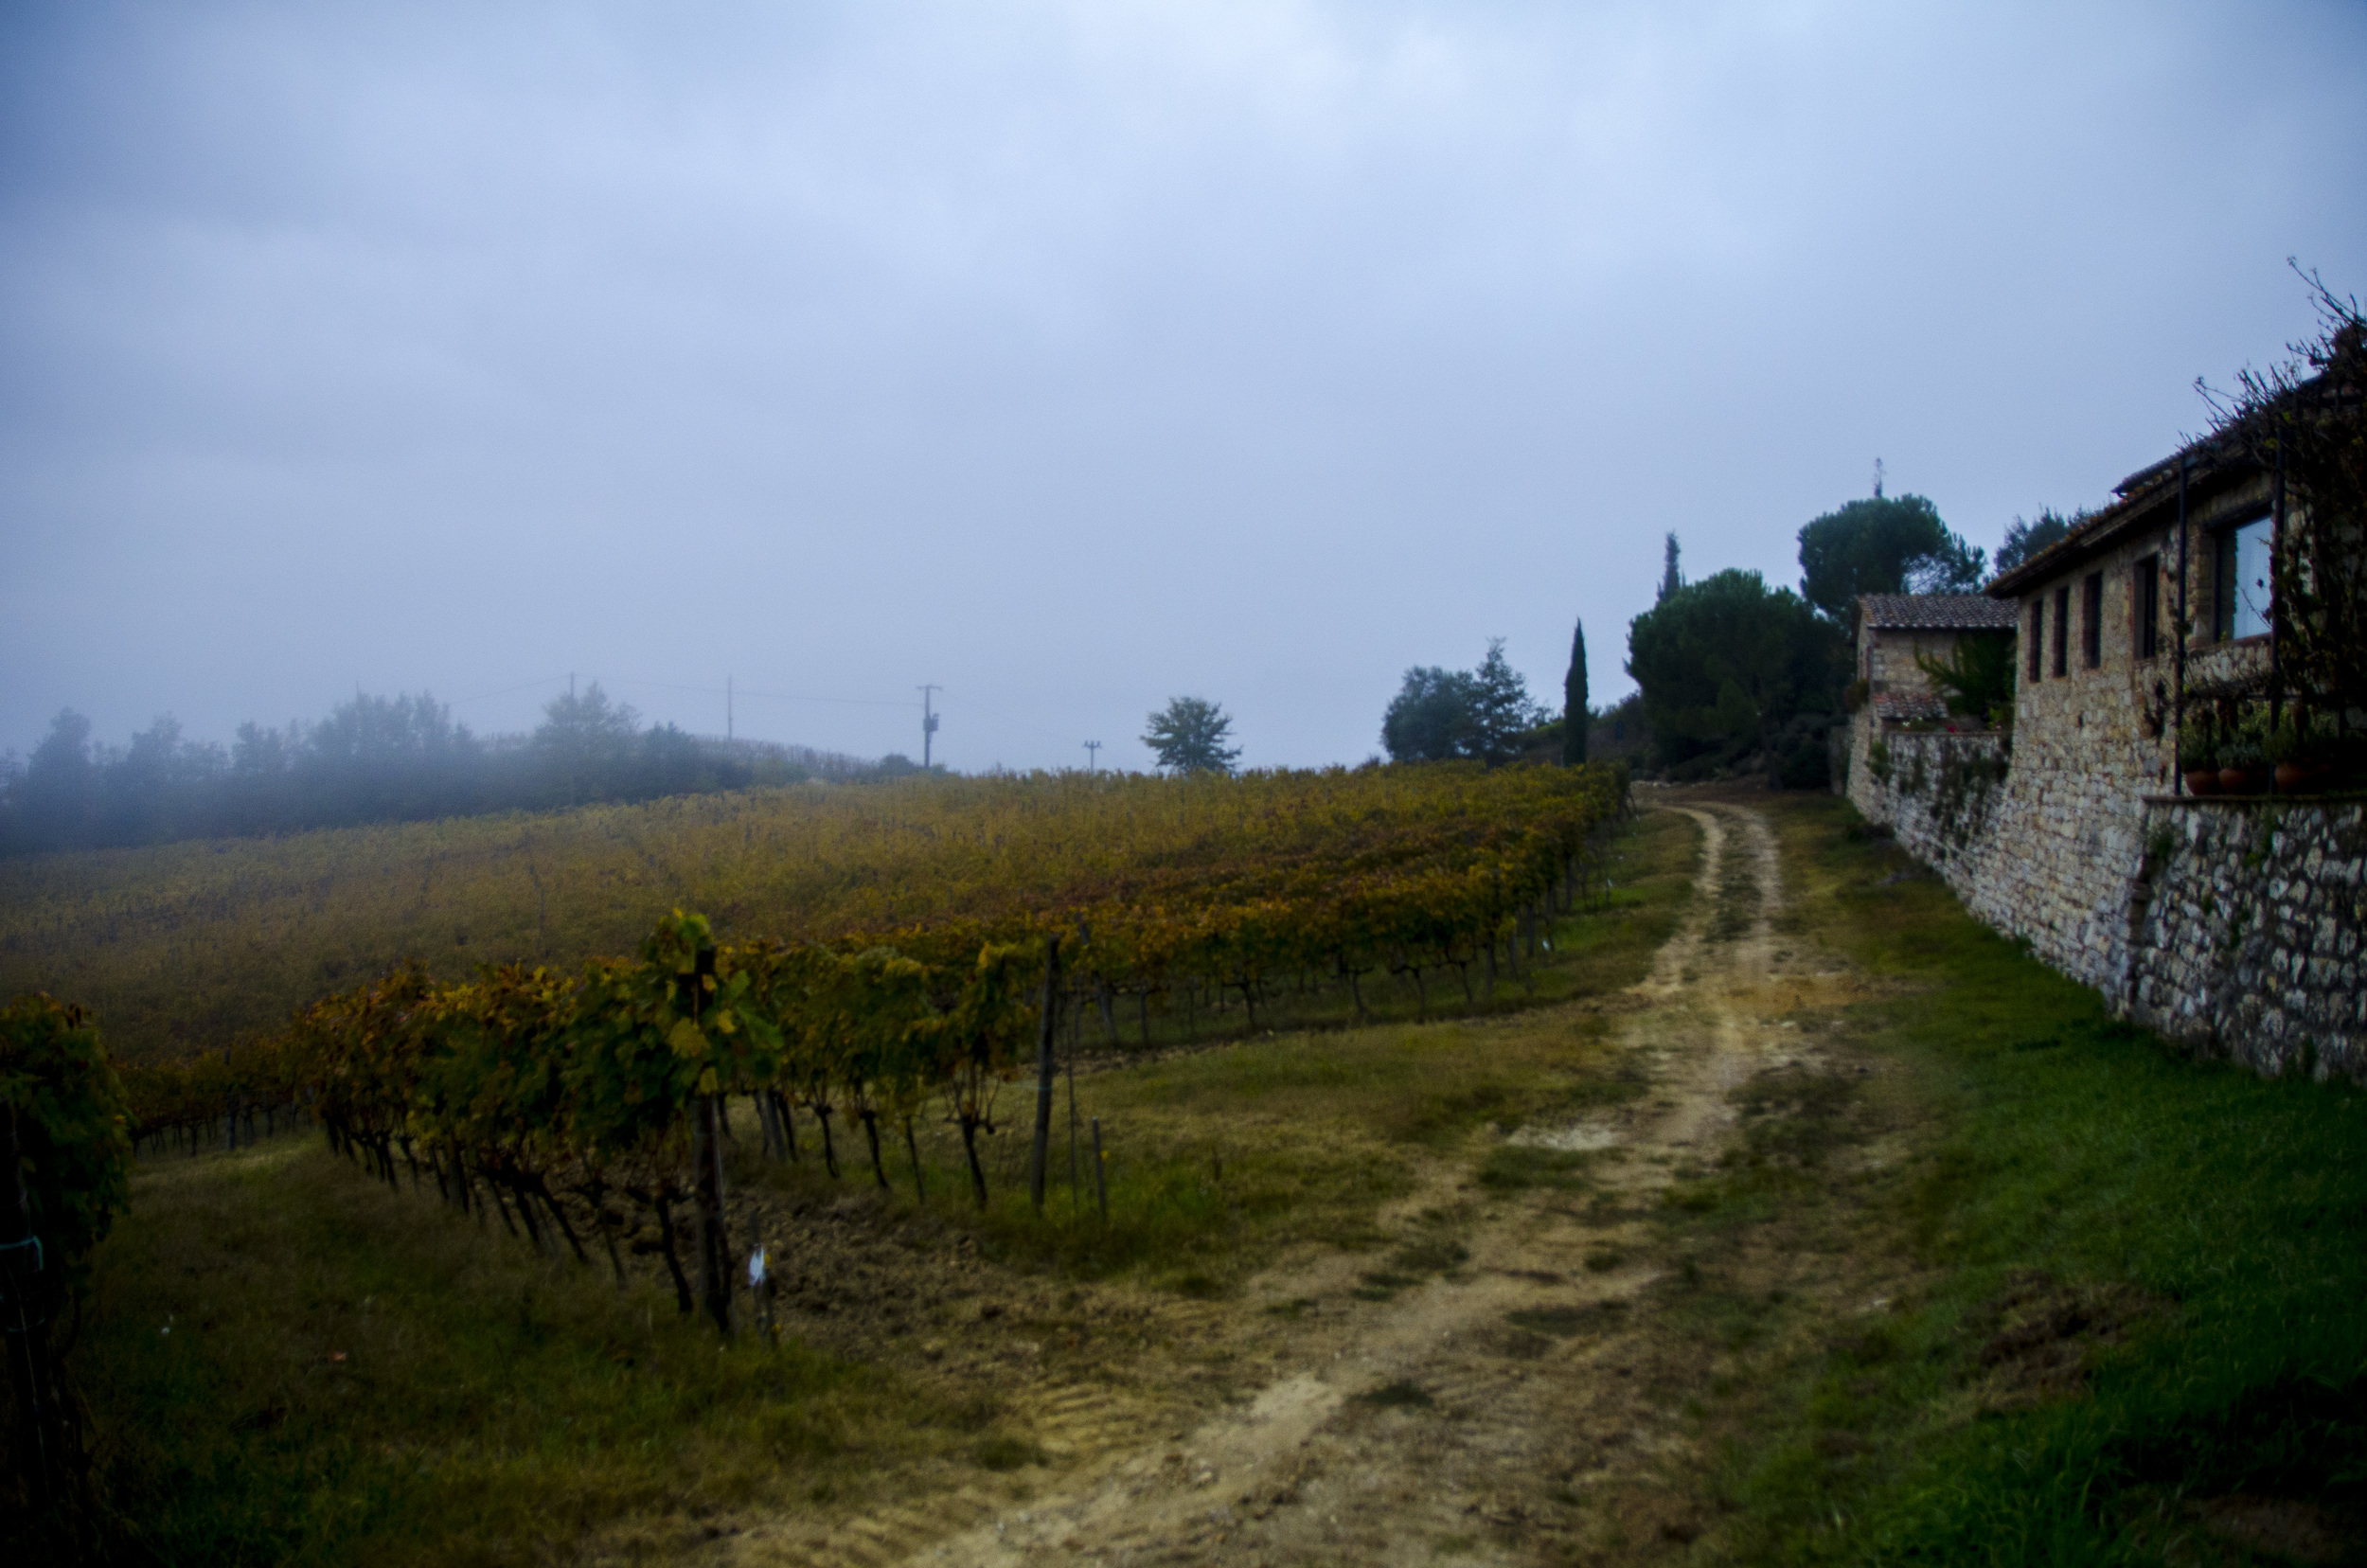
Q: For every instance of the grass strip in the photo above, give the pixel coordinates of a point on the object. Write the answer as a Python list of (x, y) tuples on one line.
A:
[(2135, 1325)]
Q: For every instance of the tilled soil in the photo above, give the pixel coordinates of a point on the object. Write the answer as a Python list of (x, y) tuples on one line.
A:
[(1503, 1396)]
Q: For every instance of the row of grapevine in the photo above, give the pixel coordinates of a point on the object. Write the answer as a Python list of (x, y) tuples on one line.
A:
[(557, 1100), (64, 1162)]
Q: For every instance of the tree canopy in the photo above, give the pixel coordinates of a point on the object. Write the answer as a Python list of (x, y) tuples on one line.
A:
[(1189, 735), (1446, 715), (1883, 545), (1725, 663), (2026, 536)]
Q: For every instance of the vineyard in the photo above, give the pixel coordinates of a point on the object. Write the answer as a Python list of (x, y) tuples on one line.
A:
[(189, 947), (562, 1099)]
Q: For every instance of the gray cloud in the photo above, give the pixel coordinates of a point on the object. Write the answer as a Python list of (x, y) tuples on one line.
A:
[(1074, 356)]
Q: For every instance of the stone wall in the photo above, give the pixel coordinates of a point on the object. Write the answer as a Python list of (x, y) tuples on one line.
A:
[(2246, 932), (2233, 926)]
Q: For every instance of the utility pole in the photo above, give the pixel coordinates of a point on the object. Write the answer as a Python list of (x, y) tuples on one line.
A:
[(1092, 758), (928, 723)]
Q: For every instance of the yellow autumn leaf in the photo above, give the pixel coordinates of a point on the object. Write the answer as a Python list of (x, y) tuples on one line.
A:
[(686, 1039)]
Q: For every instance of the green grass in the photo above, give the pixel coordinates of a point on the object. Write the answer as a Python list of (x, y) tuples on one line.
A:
[(2138, 1280), (1514, 1166), (287, 1362)]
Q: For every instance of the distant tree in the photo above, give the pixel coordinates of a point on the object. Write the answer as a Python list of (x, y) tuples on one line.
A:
[(373, 731), (59, 792), (1433, 718), (1576, 714), (387, 760), (1504, 711), (1482, 715), (60, 768), (1724, 662), (1895, 544), (151, 790), (1188, 736), (1670, 579), (258, 753), (584, 741), (2024, 538)]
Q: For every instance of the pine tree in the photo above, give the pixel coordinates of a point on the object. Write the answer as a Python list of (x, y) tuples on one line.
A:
[(1670, 579), (1573, 709)]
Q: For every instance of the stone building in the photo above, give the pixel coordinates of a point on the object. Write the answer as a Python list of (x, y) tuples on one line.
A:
[(1897, 631), (2233, 923)]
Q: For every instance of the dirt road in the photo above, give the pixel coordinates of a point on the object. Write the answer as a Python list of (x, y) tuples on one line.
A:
[(1507, 1404)]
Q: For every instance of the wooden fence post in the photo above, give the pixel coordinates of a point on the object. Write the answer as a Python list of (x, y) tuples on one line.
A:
[(1045, 1072)]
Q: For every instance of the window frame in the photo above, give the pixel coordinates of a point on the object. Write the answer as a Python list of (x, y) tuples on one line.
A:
[(2091, 621), (2036, 660), (2062, 632), (2226, 580)]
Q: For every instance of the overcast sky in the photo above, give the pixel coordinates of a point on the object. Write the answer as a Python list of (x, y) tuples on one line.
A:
[(1076, 356)]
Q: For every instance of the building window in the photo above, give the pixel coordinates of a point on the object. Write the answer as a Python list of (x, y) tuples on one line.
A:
[(2148, 596), (2035, 659), (2091, 621), (2062, 633), (2240, 581)]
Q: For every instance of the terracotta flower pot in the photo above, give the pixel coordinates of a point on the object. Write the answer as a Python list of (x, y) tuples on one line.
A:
[(2240, 781), (2203, 781), (2304, 777)]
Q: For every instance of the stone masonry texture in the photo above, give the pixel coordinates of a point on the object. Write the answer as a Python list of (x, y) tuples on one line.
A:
[(2232, 926)]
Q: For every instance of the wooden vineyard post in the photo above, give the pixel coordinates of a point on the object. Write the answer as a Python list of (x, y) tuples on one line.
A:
[(1045, 1042), (715, 1251), (1101, 1173)]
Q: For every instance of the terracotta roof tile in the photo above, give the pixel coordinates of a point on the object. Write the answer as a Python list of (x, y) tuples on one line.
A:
[(1937, 612), (1904, 705)]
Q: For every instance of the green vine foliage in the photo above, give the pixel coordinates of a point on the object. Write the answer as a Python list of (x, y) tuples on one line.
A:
[(74, 1149), (1960, 799), (1977, 677)]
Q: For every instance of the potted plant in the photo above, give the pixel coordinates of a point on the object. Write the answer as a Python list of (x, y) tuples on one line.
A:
[(2199, 753), (2298, 748), (2244, 760)]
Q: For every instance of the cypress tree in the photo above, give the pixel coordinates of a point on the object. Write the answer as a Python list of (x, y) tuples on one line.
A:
[(1573, 710), (1670, 579)]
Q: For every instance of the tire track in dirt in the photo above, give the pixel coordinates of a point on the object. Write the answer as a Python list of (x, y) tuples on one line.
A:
[(1468, 1419)]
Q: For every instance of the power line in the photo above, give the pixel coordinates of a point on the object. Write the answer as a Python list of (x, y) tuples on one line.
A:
[(770, 696), (994, 713)]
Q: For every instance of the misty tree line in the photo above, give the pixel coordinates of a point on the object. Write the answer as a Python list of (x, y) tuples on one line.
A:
[(373, 760)]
